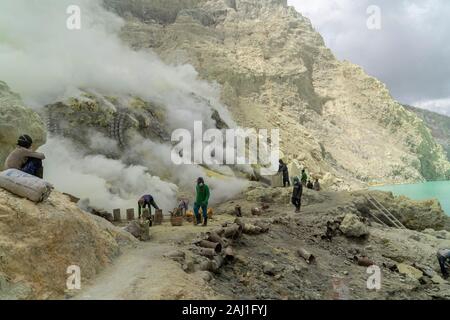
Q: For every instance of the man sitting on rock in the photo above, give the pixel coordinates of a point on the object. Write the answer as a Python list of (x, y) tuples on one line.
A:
[(23, 158), (444, 258)]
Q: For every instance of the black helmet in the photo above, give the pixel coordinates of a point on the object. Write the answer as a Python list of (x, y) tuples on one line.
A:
[(25, 141)]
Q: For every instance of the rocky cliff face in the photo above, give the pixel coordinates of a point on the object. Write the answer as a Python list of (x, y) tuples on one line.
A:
[(15, 120), (439, 125), (39, 242), (276, 72)]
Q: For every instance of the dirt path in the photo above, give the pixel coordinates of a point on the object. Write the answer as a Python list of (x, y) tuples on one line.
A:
[(267, 266), (143, 273)]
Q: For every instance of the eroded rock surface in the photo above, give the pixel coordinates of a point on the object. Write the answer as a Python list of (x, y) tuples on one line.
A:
[(16, 119), (276, 72), (39, 242)]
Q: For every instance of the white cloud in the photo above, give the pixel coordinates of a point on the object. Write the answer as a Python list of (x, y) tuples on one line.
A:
[(440, 106), (411, 53)]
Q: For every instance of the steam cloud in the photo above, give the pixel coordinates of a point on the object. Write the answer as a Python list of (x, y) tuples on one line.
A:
[(45, 62)]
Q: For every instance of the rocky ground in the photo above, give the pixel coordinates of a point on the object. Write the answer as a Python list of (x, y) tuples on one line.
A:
[(336, 228), (39, 242), (269, 266)]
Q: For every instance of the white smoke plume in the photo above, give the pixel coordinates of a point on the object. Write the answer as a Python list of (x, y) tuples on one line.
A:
[(45, 62), (107, 183), (110, 184)]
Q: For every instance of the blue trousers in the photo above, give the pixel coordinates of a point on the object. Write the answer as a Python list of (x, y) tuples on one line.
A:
[(197, 213), (34, 167)]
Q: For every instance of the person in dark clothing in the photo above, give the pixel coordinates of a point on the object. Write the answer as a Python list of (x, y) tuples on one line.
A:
[(285, 171), (25, 159), (310, 185), (317, 186), (297, 194), (201, 201), (443, 256), (146, 201)]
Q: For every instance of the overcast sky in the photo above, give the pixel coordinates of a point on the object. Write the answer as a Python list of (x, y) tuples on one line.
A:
[(410, 53)]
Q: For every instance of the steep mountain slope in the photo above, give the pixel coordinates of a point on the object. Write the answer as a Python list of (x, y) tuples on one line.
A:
[(38, 242), (276, 72), (439, 125), (15, 120)]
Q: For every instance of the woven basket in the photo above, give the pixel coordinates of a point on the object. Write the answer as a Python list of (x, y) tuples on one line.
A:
[(176, 221)]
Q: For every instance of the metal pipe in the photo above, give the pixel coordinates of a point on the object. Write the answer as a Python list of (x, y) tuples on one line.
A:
[(130, 214), (251, 229), (109, 217), (231, 231), (158, 216), (206, 266), (363, 261), (239, 222), (219, 231), (207, 252), (211, 245), (116, 213), (214, 237), (264, 226), (256, 211), (306, 255), (217, 262), (229, 254)]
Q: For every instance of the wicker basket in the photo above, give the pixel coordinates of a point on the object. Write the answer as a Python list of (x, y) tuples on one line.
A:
[(176, 221)]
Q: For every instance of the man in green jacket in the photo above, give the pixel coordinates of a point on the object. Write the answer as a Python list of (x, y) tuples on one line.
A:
[(201, 201), (304, 178)]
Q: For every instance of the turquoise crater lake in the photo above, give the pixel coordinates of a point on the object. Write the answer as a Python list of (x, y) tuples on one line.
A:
[(423, 191)]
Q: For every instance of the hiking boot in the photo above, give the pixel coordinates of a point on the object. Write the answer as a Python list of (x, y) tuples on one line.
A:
[(205, 222)]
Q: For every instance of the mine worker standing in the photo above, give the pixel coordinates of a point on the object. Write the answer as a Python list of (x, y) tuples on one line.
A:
[(304, 178), (285, 171), (297, 194), (23, 158), (443, 256), (201, 201), (147, 201), (317, 186)]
